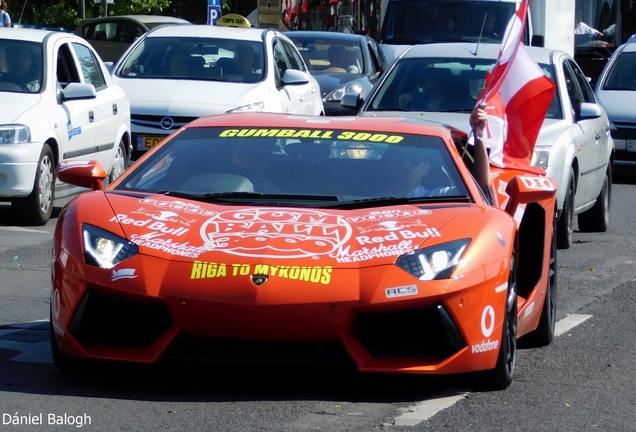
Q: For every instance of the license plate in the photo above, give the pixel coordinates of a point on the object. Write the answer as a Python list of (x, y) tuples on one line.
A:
[(631, 145), (146, 142)]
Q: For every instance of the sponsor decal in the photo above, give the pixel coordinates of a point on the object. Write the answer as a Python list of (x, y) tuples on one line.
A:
[(529, 309), (125, 273), (379, 215), (209, 270), (311, 133), (488, 321), (179, 206), (56, 307), (501, 288), (409, 290), (390, 226), (501, 239), (157, 241), (399, 235), (165, 216), (485, 346), (151, 224), (345, 254), (537, 183), (275, 233)]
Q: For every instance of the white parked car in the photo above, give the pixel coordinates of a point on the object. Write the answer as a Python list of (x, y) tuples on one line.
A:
[(175, 74), (442, 82), (57, 102)]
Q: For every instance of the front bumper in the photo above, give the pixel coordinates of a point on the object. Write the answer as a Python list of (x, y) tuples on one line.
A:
[(625, 143), (158, 314), (18, 165)]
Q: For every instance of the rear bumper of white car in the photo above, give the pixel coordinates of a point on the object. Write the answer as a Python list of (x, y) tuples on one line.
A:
[(18, 165)]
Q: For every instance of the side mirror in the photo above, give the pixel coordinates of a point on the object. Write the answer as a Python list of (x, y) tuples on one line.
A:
[(295, 77), (352, 101), (110, 67), (75, 91), (589, 111), (526, 189), (86, 174)]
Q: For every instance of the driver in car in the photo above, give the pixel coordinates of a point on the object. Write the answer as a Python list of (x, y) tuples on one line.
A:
[(21, 68)]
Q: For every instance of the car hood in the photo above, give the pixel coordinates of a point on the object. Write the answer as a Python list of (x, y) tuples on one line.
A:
[(550, 131), (189, 98), (13, 105), (455, 120), (329, 81), (618, 105), (184, 230)]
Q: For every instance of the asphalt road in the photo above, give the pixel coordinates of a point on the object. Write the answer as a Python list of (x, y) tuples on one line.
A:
[(584, 380)]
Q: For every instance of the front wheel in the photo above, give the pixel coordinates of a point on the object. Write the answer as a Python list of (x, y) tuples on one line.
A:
[(597, 218), (37, 208), (564, 228), (500, 377), (120, 162)]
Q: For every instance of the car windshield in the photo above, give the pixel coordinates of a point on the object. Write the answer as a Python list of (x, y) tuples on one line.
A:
[(303, 167), (440, 85), (20, 66), (420, 21), (330, 55), (190, 58), (622, 76)]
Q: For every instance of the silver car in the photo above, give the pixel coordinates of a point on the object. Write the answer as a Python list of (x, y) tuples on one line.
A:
[(616, 91), (442, 82)]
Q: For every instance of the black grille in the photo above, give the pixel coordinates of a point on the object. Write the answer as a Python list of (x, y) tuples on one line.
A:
[(421, 332), (266, 353), (106, 320), (624, 133), (156, 120)]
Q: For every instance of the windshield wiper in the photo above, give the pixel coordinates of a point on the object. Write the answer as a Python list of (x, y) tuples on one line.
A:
[(389, 109), (228, 196), (393, 201)]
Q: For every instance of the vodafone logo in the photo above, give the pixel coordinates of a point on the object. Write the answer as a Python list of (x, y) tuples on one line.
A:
[(488, 321), (279, 233), (56, 304)]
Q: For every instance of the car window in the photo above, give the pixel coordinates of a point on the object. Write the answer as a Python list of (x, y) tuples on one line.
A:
[(573, 90), (330, 55), (128, 31), (103, 31), (432, 84), (373, 53), (295, 62), (586, 91), (622, 75), (195, 58), (66, 71), (351, 165), (90, 66), (20, 66), (554, 110), (280, 60)]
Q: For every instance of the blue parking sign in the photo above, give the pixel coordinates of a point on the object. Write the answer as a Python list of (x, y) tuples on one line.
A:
[(214, 13)]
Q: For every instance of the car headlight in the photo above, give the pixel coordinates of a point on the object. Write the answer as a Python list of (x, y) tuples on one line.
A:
[(436, 262), (354, 87), (255, 107), (540, 157), (14, 134), (104, 249)]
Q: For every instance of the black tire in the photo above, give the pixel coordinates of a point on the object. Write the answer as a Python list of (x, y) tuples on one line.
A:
[(564, 230), (597, 218), (544, 334), (37, 208), (500, 377), (120, 163)]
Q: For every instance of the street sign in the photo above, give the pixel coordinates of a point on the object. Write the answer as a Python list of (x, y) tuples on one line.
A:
[(214, 13)]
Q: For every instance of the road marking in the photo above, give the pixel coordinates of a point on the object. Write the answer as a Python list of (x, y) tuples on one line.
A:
[(415, 414), (30, 352), (424, 410), (19, 229), (569, 322)]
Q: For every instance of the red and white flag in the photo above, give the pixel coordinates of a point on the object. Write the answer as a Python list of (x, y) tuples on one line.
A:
[(518, 95)]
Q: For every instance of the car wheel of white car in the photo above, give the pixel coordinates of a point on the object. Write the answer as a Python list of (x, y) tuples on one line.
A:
[(36, 209), (597, 218), (565, 232), (120, 163)]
